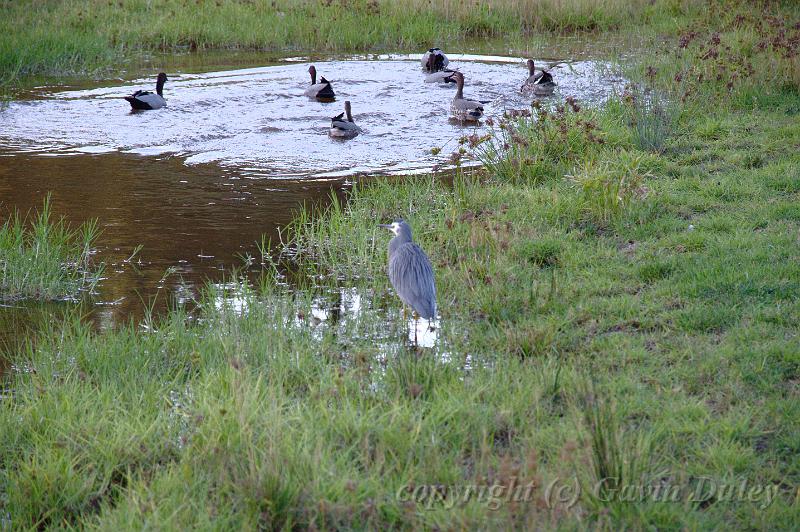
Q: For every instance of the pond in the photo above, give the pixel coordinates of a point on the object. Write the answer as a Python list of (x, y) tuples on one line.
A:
[(258, 123), (234, 154)]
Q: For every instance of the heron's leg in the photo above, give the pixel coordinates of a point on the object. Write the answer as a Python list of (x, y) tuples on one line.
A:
[(405, 317)]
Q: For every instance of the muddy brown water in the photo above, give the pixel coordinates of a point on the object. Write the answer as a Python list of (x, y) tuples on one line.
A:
[(233, 156), (198, 220)]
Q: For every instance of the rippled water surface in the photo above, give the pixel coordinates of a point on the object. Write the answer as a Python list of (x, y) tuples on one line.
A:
[(257, 120), (233, 155)]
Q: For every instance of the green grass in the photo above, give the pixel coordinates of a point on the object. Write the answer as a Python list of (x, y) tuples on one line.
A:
[(57, 38), (42, 258), (572, 347), (618, 299)]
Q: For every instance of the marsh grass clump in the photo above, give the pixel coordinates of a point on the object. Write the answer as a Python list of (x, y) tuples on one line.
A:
[(42, 258), (620, 462), (544, 143), (414, 375), (545, 253), (651, 117), (606, 187), (655, 270), (310, 240), (313, 240)]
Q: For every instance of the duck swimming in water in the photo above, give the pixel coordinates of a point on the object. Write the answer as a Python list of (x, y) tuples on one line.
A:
[(437, 74), (344, 127), (322, 90), (443, 76), (461, 108), (434, 60), (540, 83), (146, 100)]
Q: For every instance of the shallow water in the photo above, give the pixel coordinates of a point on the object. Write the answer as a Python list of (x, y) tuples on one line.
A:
[(197, 221), (257, 120), (232, 157)]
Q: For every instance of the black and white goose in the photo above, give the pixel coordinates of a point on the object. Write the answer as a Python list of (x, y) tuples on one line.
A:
[(342, 127), (461, 108), (434, 60), (322, 90), (145, 100), (540, 83)]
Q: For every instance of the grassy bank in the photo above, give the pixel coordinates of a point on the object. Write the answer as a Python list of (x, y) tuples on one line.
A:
[(42, 258), (619, 298), (54, 38), (579, 340)]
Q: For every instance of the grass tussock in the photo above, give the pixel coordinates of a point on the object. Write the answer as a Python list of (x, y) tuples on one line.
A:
[(606, 154), (651, 115), (544, 143), (620, 461), (42, 258), (607, 188)]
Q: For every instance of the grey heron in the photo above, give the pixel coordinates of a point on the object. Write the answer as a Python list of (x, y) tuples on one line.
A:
[(410, 271)]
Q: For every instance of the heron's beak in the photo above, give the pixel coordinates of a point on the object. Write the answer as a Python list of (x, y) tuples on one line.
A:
[(385, 226)]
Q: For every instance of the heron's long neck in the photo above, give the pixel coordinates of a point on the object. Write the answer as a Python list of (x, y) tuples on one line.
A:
[(398, 241), (160, 87), (460, 91)]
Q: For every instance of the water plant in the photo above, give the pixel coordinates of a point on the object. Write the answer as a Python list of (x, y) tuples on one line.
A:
[(545, 142), (651, 115), (43, 258)]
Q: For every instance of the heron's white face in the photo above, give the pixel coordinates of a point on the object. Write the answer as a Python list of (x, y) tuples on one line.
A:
[(394, 227)]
